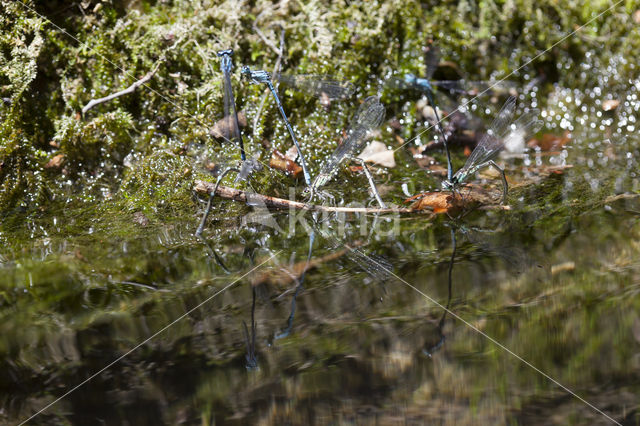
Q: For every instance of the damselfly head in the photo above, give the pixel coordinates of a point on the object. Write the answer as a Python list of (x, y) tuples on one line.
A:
[(258, 76), (409, 78), (308, 193), (226, 52)]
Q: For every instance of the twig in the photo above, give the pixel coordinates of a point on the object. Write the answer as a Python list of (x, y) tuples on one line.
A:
[(126, 91), (228, 193), (625, 196), (265, 40)]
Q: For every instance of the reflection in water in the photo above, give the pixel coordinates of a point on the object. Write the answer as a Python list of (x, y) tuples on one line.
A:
[(429, 351), (299, 287), (213, 253), (250, 339)]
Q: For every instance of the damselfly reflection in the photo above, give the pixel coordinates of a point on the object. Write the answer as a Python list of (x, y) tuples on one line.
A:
[(251, 356), (430, 349), (299, 287)]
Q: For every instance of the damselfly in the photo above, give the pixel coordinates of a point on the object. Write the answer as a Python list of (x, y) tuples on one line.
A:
[(232, 129), (265, 78), (332, 89), (492, 143), (432, 59), (368, 117)]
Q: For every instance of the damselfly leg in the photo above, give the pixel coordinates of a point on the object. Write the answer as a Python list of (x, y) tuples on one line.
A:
[(211, 196), (505, 185), (372, 184)]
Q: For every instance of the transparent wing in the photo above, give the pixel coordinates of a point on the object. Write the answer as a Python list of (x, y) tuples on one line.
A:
[(368, 117), (431, 60), (400, 83), (491, 143), (318, 86), (231, 131), (474, 87), (528, 122)]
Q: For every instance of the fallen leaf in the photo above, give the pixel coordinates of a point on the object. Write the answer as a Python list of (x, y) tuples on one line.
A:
[(377, 153), (439, 202), (610, 104), (395, 124), (325, 100), (427, 162), (550, 142), (56, 162), (280, 162), (223, 127), (292, 153)]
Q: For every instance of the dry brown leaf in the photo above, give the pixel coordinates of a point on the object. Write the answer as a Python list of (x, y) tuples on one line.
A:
[(439, 202), (223, 127), (427, 162), (280, 162), (56, 162), (292, 153), (550, 142)]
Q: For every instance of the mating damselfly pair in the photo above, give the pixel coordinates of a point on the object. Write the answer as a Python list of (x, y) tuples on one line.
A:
[(369, 116)]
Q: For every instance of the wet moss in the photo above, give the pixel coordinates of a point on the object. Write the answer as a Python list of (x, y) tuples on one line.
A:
[(361, 43)]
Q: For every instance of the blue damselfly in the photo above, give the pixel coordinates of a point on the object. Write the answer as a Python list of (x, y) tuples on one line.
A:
[(232, 129), (318, 86), (492, 143)]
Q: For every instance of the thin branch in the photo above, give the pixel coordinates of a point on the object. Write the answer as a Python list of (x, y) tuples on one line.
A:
[(264, 38), (126, 91), (227, 193)]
